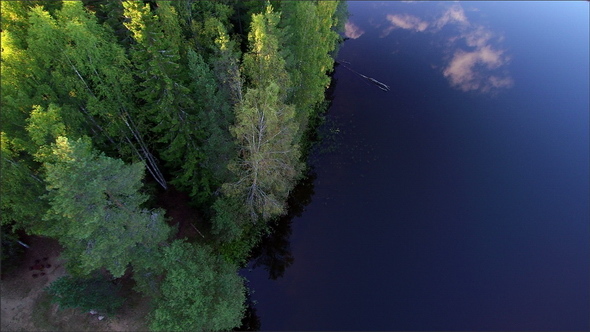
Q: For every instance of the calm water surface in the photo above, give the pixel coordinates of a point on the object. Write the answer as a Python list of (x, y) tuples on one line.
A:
[(459, 200)]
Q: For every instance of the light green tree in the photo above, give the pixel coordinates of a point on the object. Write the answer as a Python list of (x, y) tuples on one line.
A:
[(308, 42), (269, 162), (96, 211), (200, 292), (263, 64), (265, 127)]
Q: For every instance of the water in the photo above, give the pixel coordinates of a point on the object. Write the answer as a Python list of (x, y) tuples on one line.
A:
[(452, 202)]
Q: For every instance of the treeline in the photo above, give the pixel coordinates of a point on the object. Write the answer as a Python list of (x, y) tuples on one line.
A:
[(106, 103)]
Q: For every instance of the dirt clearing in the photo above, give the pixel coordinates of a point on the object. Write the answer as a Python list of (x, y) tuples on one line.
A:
[(26, 307)]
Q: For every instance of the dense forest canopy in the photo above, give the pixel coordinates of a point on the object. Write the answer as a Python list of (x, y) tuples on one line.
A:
[(106, 104)]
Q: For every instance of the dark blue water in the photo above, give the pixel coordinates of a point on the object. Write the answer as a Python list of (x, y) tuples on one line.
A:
[(452, 202)]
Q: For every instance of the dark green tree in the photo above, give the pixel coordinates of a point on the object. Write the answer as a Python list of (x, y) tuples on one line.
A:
[(96, 211), (94, 293), (12, 251), (167, 109), (20, 189), (200, 292)]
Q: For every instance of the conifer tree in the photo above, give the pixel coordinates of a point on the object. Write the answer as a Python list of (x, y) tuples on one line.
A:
[(96, 211)]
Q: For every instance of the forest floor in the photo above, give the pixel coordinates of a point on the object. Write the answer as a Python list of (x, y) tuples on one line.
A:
[(27, 307), (188, 219)]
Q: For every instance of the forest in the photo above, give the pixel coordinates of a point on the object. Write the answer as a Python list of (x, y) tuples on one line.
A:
[(108, 105)]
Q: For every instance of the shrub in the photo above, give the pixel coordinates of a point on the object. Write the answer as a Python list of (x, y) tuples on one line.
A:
[(94, 293)]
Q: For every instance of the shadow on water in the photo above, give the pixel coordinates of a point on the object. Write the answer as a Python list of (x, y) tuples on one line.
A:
[(274, 251)]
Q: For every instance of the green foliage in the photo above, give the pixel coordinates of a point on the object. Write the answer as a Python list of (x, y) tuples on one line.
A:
[(44, 126), (269, 163), (238, 249), (201, 292), (213, 116), (308, 42), (189, 115), (20, 188), (96, 209), (77, 62), (158, 82), (18, 91), (203, 23), (12, 252), (95, 293), (228, 218), (243, 11), (110, 13), (265, 127), (263, 64)]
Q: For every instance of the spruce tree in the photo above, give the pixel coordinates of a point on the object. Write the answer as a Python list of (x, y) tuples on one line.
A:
[(96, 209)]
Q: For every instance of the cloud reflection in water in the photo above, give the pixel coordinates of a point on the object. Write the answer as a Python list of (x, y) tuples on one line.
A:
[(478, 68), (474, 62), (352, 31), (405, 21)]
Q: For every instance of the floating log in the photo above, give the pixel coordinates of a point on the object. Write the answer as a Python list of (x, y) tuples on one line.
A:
[(380, 85)]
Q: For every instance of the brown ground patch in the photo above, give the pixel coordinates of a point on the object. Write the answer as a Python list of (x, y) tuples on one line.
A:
[(189, 220), (26, 307)]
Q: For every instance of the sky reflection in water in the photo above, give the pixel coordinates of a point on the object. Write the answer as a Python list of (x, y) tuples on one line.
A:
[(473, 54), (459, 199)]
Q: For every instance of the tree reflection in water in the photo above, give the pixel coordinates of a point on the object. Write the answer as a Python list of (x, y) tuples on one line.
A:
[(251, 320), (274, 251)]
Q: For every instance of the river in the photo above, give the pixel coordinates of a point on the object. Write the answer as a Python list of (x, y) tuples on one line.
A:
[(459, 199)]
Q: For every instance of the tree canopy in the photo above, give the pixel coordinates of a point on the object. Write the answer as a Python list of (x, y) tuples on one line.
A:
[(96, 209), (201, 291), (109, 105)]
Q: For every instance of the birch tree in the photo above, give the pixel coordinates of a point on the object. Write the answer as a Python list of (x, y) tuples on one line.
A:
[(309, 40)]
